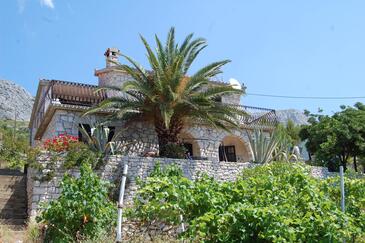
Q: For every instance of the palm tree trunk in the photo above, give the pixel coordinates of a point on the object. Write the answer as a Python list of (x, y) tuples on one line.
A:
[(166, 135)]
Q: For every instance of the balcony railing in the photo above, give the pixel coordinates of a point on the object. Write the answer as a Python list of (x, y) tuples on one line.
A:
[(68, 93), (258, 116)]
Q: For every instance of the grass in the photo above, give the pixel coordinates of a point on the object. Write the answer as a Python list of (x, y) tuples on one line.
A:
[(9, 235), (32, 234)]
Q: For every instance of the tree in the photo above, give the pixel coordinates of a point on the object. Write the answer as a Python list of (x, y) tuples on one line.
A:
[(167, 96), (293, 132), (341, 136), (14, 145)]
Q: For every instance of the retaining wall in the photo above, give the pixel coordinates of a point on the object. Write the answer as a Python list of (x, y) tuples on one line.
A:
[(39, 190)]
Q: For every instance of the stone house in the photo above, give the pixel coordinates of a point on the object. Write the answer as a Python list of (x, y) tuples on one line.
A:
[(59, 107)]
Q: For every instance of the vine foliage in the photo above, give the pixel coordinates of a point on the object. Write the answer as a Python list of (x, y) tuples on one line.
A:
[(277, 202)]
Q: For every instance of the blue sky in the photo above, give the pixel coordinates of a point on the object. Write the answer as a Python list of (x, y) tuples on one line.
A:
[(297, 48)]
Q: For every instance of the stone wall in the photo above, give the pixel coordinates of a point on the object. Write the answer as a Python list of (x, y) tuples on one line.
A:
[(321, 172), (39, 190)]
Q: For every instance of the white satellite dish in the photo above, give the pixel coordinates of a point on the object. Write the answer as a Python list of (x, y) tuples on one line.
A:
[(235, 83)]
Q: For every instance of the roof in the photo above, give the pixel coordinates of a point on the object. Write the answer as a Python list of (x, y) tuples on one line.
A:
[(66, 92)]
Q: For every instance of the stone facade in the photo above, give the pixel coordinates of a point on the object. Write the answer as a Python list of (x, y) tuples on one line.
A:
[(232, 99), (139, 138), (67, 122)]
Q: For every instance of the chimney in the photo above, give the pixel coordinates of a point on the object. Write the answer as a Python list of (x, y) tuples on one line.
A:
[(111, 76), (111, 56)]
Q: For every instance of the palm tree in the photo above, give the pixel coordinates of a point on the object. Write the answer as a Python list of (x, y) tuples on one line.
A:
[(167, 96)]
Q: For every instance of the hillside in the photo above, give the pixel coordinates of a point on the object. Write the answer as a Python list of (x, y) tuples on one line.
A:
[(14, 98), (296, 116)]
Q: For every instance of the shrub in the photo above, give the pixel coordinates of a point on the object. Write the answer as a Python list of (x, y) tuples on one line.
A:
[(354, 196), (79, 153), (82, 211), (175, 151), (14, 143), (278, 202)]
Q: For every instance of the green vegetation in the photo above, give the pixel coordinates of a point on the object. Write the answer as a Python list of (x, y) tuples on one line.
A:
[(267, 147), (98, 139), (292, 132), (264, 146), (83, 210), (277, 202), (337, 139), (167, 96), (14, 144)]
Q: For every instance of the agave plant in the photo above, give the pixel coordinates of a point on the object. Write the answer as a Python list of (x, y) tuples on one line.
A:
[(98, 139), (262, 146), (267, 147)]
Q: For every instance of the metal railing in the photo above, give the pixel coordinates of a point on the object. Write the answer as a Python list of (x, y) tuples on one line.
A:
[(258, 116), (69, 93)]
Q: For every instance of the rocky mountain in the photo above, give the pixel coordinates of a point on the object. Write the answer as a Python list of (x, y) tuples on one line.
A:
[(296, 116), (14, 99)]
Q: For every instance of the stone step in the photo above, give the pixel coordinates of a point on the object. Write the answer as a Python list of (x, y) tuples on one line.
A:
[(13, 215), (12, 184), (13, 221), (12, 198), (4, 199), (5, 210), (16, 192), (17, 187), (10, 172), (12, 206), (16, 229), (13, 188), (11, 179)]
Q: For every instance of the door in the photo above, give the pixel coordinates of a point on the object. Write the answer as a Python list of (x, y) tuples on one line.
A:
[(227, 153)]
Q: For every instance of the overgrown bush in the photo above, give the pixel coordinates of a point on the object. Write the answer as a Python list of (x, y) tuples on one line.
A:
[(354, 196), (79, 153), (83, 210), (14, 144), (279, 202), (175, 151)]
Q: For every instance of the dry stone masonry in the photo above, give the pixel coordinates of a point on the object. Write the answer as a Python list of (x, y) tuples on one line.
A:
[(40, 190)]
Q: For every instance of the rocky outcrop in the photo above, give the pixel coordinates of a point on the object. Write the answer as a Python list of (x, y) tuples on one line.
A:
[(296, 116), (14, 99)]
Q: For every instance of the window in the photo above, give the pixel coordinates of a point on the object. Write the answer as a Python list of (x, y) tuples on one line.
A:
[(111, 133), (88, 130), (227, 153), (218, 99), (189, 148)]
